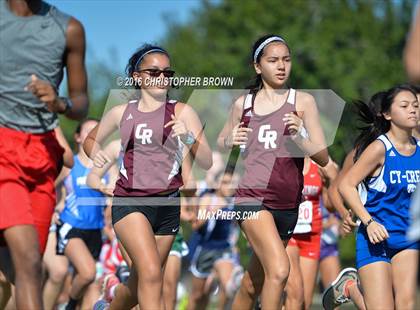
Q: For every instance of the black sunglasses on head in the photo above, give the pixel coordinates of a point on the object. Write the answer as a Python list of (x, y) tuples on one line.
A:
[(158, 72)]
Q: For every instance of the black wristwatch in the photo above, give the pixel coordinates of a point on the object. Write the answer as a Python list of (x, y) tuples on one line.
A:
[(370, 222), (68, 103)]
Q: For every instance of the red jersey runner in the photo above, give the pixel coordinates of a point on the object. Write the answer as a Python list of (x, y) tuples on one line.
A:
[(307, 235), (312, 191)]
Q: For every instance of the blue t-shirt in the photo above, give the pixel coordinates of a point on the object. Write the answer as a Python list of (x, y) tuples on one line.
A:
[(83, 206)]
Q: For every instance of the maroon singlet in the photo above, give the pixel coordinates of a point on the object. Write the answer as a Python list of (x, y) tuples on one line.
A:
[(272, 175), (152, 159)]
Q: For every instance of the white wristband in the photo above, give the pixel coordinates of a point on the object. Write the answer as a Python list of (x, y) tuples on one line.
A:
[(301, 133)]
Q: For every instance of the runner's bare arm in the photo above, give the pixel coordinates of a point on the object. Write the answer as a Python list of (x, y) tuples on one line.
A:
[(328, 174), (369, 163), (60, 191), (234, 118), (347, 221), (76, 71), (315, 145), (189, 202), (63, 174), (68, 153), (412, 50), (200, 150), (108, 124), (335, 197), (189, 187), (94, 178), (59, 207)]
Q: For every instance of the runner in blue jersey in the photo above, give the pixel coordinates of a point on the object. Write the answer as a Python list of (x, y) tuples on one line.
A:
[(79, 235), (388, 168), (343, 286)]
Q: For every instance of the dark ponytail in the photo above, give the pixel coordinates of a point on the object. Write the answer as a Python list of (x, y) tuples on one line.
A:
[(372, 115), (256, 84)]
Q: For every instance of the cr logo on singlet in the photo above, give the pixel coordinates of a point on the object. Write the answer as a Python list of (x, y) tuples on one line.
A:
[(267, 136), (144, 135)]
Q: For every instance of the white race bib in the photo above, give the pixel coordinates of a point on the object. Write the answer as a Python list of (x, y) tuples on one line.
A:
[(304, 223)]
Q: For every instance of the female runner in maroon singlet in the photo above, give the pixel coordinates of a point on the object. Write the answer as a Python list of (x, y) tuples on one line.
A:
[(272, 125), (146, 207)]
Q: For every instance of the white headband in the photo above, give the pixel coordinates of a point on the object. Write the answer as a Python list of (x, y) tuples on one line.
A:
[(148, 52), (265, 43)]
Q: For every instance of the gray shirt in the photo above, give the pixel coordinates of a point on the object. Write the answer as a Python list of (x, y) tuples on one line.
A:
[(30, 45)]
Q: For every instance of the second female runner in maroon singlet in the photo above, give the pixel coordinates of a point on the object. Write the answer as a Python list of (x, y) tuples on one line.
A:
[(275, 126), (270, 169)]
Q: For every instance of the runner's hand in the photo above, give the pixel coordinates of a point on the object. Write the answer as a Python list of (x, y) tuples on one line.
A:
[(178, 128), (376, 232), (56, 218), (293, 123), (106, 190), (347, 223), (101, 159), (239, 135), (46, 93)]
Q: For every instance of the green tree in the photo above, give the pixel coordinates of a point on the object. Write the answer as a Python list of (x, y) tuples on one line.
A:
[(351, 46)]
